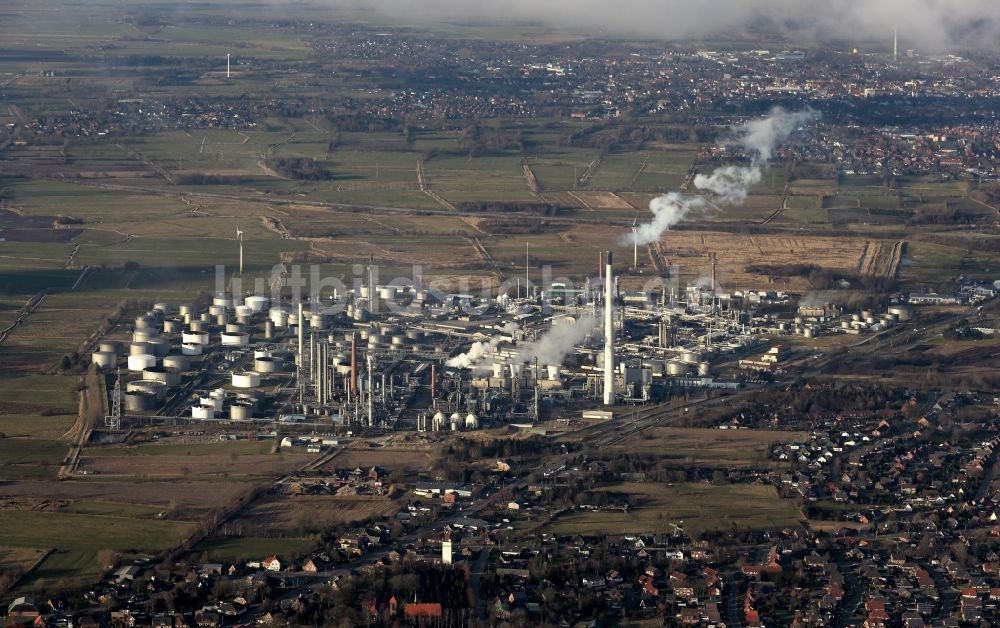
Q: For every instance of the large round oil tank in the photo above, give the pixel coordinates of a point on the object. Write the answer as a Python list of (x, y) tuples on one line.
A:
[(198, 326), (137, 401), (105, 359), (359, 314), (690, 357), (246, 380), (173, 326), (704, 369), (415, 335), (217, 310), (187, 309), (162, 307), (214, 402), (471, 422), (856, 318), (144, 322), (169, 377), (866, 314), (205, 318), (676, 368), (203, 412), (845, 324), (234, 328), (364, 333), (195, 337), (554, 372), (140, 348), (241, 411), (808, 332), (179, 362), (244, 310), (902, 312), (192, 348), (110, 346), (267, 365), (376, 340), (138, 363), (160, 346), (256, 303), (387, 293), (144, 335), (279, 315), (152, 387), (870, 320), (655, 366), (318, 321), (222, 298), (240, 339), (399, 340)]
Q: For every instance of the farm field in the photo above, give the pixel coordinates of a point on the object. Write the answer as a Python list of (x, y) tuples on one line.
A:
[(228, 459), (710, 447), (308, 514), (702, 508)]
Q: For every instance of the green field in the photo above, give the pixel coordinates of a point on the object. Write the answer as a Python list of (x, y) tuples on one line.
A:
[(253, 548), (701, 507)]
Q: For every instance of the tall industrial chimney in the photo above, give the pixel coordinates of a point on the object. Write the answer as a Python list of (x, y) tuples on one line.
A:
[(354, 367), (609, 334)]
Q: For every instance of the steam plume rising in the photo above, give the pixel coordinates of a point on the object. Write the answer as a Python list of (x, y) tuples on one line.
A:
[(728, 185), (474, 355), (554, 345)]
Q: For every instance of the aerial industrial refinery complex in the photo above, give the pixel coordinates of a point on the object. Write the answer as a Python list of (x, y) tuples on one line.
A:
[(405, 357)]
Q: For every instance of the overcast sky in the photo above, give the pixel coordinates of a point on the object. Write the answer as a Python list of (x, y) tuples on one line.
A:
[(922, 24)]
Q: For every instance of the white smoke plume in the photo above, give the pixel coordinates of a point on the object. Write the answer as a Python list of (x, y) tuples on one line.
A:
[(476, 353), (728, 185), (553, 346), (472, 358)]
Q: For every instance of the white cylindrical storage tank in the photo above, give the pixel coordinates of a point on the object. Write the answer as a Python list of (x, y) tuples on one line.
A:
[(870, 320), (261, 353), (267, 365), (416, 335), (144, 335), (387, 293), (554, 371), (179, 362), (169, 377), (203, 412), (244, 310), (676, 368), (187, 309), (256, 303), (690, 357), (139, 363), (808, 332), (437, 423), (152, 387), (144, 322), (498, 369), (110, 346), (198, 326), (223, 299), (235, 339), (234, 328), (241, 411), (704, 369), (195, 337), (856, 318), (845, 324), (317, 321), (140, 348), (902, 312), (105, 359), (455, 420), (279, 317), (471, 422), (163, 308), (214, 402), (246, 380), (138, 401), (217, 310), (160, 347), (173, 326), (205, 318), (268, 329), (191, 348)]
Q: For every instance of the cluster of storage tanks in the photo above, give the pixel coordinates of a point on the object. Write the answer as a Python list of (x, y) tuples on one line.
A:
[(455, 423), (164, 342), (855, 323)]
